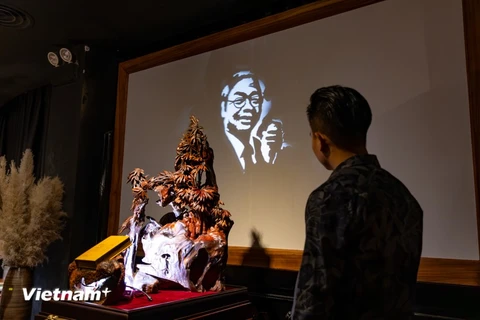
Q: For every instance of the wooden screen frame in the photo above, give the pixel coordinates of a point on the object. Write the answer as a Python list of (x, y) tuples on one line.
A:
[(450, 271)]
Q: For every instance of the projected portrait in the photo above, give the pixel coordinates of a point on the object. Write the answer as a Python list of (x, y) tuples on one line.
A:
[(255, 137)]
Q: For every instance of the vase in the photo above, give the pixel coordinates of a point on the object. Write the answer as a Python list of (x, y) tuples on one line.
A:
[(13, 305)]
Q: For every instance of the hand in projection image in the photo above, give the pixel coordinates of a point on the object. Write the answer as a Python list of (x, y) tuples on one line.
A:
[(244, 110), (272, 141)]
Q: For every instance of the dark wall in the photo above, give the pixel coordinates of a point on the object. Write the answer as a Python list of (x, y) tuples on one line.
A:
[(96, 119), (82, 110), (61, 154)]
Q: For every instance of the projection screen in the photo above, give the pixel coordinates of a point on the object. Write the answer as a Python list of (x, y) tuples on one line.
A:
[(407, 57)]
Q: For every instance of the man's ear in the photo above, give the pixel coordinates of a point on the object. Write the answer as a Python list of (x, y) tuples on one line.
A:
[(319, 136), (325, 143)]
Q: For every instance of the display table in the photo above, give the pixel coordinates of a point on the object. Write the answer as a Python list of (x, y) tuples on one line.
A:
[(231, 304)]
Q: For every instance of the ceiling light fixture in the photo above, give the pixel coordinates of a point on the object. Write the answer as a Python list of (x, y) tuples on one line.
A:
[(53, 59), (61, 57), (66, 55)]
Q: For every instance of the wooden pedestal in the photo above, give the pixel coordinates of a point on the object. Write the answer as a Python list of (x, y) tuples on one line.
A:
[(231, 304)]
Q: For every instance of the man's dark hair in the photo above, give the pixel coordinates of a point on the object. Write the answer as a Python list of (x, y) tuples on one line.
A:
[(342, 114)]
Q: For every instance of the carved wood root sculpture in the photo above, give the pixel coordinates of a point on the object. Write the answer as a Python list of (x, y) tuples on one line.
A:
[(172, 259), (190, 252)]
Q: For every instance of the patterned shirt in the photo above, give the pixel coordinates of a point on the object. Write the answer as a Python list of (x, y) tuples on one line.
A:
[(363, 246)]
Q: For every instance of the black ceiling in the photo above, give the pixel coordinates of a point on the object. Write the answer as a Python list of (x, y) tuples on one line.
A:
[(133, 27)]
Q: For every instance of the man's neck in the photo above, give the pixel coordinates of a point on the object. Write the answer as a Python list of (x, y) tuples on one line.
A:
[(339, 156)]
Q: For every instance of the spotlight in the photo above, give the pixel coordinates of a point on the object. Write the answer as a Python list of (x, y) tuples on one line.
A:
[(53, 59), (66, 55)]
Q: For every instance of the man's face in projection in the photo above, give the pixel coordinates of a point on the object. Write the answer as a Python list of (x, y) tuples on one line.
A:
[(242, 108)]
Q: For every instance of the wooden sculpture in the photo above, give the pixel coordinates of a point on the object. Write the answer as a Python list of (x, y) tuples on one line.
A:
[(190, 250)]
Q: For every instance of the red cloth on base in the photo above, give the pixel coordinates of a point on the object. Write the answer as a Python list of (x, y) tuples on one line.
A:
[(164, 296)]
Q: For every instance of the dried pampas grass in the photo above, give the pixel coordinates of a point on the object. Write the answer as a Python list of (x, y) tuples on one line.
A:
[(31, 215)]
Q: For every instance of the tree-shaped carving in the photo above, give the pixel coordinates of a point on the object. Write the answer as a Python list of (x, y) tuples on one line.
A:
[(192, 250)]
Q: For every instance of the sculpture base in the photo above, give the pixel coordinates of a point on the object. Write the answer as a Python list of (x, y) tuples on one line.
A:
[(232, 304)]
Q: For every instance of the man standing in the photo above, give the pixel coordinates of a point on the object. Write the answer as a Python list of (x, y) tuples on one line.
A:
[(363, 227)]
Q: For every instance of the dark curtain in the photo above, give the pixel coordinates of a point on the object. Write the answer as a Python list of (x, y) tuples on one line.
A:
[(23, 125)]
